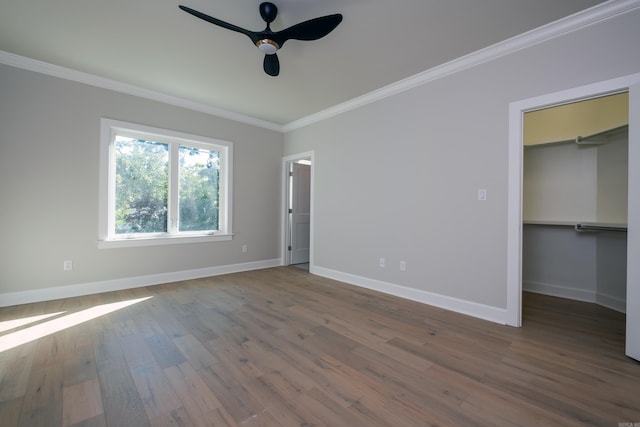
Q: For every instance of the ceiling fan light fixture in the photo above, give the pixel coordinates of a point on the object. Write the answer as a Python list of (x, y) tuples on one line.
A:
[(267, 46)]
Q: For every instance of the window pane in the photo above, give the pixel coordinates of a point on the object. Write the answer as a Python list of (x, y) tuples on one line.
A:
[(199, 186), (142, 176)]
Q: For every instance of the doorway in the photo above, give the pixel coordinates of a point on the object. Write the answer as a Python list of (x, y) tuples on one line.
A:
[(515, 182), (297, 215), (575, 201)]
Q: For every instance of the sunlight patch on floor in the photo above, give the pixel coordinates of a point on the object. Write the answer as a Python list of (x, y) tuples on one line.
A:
[(7, 325), (35, 332)]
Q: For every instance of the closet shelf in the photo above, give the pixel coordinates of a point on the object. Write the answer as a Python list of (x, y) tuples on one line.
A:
[(580, 226), (598, 138), (550, 222)]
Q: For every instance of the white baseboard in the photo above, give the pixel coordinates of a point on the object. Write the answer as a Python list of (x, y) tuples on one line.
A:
[(614, 303), (59, 292), (559, 291), (493, 314), (481, 311)]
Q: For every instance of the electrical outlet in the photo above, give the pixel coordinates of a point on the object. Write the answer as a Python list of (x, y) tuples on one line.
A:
[(67, 265), (482, 194), (403, 265), (382, 262), (244, 249)]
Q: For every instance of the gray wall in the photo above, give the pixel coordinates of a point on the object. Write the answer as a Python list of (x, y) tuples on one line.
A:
[(558, 261), (49, 162), (399, 178)]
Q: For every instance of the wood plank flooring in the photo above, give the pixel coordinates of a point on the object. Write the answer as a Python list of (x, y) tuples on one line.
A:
[(281, 347)]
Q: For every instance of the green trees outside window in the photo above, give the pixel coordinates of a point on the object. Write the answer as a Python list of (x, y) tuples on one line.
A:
[(199, 175), (142, 187)]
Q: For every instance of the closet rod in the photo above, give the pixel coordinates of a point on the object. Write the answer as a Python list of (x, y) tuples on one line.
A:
[(593, 138), (587, 227)]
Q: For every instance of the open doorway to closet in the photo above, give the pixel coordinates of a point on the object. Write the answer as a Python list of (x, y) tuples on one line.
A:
[(297, 210), (574, 235), (516, 215), (575, 175)]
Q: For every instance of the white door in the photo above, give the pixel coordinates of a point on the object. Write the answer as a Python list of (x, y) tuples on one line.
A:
[(300, 213), (633, 237)]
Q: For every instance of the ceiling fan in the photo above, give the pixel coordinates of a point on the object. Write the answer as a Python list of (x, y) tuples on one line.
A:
[(269, 41)]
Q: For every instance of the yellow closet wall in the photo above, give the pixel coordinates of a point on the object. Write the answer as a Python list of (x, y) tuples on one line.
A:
[(585, 118)]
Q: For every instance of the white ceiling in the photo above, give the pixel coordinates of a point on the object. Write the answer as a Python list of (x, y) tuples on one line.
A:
[(154, 45)]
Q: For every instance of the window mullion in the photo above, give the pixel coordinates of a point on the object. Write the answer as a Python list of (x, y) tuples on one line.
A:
[(223, 191), (174, 182)]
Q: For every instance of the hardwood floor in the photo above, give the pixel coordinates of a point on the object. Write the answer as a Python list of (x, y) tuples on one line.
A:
[(280, 347)]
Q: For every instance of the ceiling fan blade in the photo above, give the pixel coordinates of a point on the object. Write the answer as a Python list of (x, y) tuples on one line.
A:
[(312, 29), (271, 65), (218, 22)]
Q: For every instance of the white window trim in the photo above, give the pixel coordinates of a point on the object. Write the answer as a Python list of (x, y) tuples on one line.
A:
[(106, 191)]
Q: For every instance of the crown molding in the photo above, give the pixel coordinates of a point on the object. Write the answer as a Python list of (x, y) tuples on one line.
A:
[(104, 83), (577, 21)]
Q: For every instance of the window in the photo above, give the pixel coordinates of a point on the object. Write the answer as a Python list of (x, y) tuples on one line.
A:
[(159, 186)]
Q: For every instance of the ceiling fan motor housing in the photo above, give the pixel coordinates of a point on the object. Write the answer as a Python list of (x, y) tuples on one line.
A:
[(268, 11)]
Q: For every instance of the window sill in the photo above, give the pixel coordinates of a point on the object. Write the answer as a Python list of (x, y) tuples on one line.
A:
[(155, 241)]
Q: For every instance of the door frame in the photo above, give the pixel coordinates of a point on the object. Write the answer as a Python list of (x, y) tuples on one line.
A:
[(285, 258), (515, 178)]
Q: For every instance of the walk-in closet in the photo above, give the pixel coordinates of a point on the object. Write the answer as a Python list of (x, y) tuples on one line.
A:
[(575, 192)]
